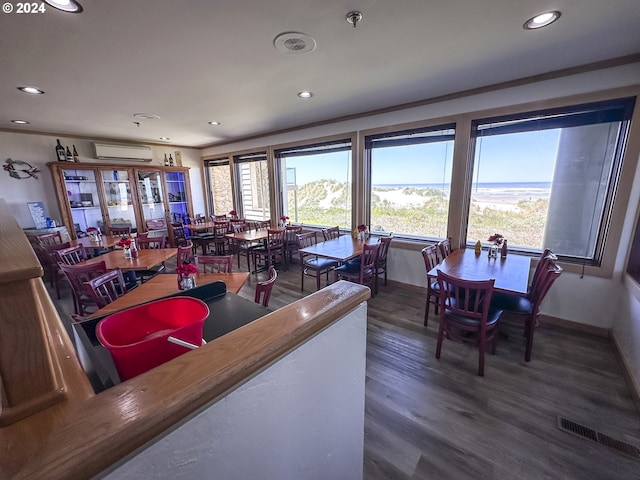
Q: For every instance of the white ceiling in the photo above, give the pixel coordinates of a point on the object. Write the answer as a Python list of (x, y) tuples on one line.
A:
[(193, 61)]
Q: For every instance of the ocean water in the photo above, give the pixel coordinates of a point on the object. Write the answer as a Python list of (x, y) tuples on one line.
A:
[(446, 186)]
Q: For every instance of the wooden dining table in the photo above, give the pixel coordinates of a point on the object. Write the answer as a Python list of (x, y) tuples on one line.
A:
[(105, 242), (163, 285), (147, 259), (341, 249), (511, 273)]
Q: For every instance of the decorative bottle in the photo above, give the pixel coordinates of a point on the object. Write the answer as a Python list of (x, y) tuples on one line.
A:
[(69, 155), (170, 160), (76, 157), (166, 160), (503, 250), (478, 247), (60, 154)]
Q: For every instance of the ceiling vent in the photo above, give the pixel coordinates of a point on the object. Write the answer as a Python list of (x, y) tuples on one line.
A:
[(294, 43), (136, 153)]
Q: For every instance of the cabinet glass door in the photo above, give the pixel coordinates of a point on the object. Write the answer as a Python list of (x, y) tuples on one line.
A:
[(177, 196), (151, 198), (82, 194), (117, 189)]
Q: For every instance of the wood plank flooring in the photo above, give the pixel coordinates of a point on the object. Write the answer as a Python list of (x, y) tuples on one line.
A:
[(436, 419)]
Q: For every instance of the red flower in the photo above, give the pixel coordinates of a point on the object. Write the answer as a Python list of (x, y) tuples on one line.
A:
[(124, 243), (362, 228), (233, 213), (92, 229), (496, 238), (284, 218), (186, 269)]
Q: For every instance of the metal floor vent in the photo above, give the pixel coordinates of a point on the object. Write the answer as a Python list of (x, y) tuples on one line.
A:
[(583, 431)]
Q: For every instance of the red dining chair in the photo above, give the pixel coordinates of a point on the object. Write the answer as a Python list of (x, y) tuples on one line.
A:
[(381, 262), (185, 253), (466, 314), (144, 242), (72, 255), (272, 250), (221, 241), (120, 231), (312, 265), (49, 238), (78, 275), (528, 307), (430, 257), (263, 289), (214, 263), (330, 233), (107, 287), (363, 272), (291, 242), (51, 251), (444, 249)]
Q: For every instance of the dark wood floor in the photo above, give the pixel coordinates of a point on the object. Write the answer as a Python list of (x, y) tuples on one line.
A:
[(436, 419)]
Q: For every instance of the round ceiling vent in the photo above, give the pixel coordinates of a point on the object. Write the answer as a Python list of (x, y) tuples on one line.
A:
[(294, 43)]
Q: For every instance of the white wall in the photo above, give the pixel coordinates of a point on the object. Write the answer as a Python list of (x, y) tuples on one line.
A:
[(300, 419), (38, 150)]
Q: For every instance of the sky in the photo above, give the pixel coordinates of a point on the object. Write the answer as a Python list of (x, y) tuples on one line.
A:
[(521, 157)]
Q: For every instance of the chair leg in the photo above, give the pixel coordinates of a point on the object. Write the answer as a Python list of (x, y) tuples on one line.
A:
[(302, 278), (481, 348), (530, 326), (426, 311), (440, 339), (318, 275)]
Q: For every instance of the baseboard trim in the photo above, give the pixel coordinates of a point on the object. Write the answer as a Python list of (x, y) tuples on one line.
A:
[(579, 327), (626, 371)]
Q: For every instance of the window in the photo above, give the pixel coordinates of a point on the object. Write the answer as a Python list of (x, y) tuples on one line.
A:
[(548, 179), (219, 191), (316, 183), (411, 181), (252, 185)]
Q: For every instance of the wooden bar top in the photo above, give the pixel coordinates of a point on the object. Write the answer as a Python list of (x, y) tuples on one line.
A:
[(164, 285)]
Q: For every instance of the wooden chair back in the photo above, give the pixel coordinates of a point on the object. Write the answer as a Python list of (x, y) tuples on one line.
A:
[(72, 255), (185, 253), (49, 238), (330, 233), (180, 234), (260, 224), (149, 243), (78, 275), (120, 231), (263, 289), (444, 249), (107, 287), (214, 263)]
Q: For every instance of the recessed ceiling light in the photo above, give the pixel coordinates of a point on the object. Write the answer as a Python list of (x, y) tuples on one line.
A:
[(215, 123), (69, 6), (31, 90), (148, 116), (541, 20), (20, 122), (165, 138), (305, 94)]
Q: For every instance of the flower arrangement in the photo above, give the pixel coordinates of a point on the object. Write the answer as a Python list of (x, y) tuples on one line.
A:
[(233, 213), (124, 243), (91, 229), (284, 218), (362, 228), (496, 239), (186, 269)]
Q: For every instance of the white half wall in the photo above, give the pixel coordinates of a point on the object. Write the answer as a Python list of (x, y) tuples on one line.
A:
[(300, 419)]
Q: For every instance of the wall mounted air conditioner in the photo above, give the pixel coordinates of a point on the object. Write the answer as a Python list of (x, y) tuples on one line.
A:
[(136, 153)]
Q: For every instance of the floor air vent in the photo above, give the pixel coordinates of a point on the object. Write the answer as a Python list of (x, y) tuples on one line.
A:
[(586, 432)]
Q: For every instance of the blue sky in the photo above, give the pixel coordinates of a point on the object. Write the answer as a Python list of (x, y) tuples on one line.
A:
[(522, 157)]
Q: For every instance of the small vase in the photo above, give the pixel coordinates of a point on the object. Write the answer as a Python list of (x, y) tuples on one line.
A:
[(186, 282), (127, 252)]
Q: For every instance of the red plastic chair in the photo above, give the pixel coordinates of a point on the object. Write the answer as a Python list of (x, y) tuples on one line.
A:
[(466, 314)]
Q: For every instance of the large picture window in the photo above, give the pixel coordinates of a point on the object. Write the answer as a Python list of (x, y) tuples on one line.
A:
[(219, 191), (316, 183), (411, 181), (547, 179), (252, 185)]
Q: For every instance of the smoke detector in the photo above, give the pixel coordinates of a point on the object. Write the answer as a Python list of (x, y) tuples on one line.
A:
[(294, 43)]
